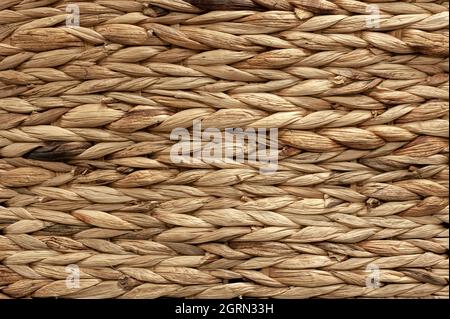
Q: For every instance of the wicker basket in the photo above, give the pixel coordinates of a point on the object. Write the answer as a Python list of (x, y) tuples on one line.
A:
[(93, 204)]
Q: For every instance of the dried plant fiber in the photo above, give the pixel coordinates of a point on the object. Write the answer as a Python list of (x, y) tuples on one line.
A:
[(360, 101)]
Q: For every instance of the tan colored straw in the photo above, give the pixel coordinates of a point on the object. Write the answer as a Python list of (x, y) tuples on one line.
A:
[(358, 207)]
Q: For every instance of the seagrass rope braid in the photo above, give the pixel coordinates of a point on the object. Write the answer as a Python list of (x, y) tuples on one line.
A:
[(86, 176)]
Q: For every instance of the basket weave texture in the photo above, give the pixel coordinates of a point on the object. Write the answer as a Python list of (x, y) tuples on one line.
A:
[(357, 90)]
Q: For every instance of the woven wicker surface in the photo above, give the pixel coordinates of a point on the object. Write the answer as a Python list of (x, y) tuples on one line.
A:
[(86, 177)]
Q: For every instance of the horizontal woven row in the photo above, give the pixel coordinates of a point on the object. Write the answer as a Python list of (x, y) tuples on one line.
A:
[(357, 208)]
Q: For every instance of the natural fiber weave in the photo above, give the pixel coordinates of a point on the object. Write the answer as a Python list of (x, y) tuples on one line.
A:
[(86, 177)]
